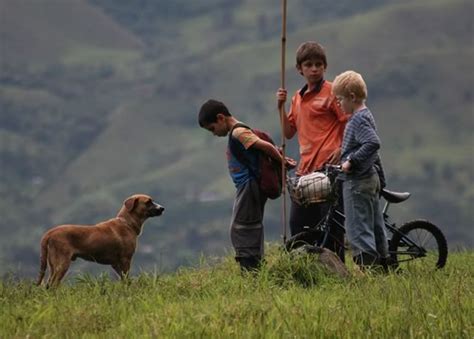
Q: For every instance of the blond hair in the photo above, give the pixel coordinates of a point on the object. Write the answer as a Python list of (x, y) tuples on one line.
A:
[(350, 82)]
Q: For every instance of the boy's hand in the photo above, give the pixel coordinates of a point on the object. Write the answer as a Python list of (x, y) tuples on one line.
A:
[(346, 166), (281, 97), (290, 163)]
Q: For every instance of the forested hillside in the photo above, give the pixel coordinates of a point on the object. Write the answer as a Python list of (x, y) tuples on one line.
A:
[(98, 100)]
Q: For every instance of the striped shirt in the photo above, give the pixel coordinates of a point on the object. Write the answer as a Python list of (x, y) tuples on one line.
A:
[(360, 145)]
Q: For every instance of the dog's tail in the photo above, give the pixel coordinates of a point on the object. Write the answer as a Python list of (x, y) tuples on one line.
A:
[(43, 259)]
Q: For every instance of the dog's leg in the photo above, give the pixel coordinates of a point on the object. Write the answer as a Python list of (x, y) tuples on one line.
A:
[(51, 266), (43, 260), (58, 274), (52, 277), (53, 272), (122, 268), (59, 262), (61, 272)]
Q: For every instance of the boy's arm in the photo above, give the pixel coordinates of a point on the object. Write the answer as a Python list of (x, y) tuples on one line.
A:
[(370, 143), (250, 140), (289, 128), (337, 110), (268, 149), (335, 156), (273, 152)]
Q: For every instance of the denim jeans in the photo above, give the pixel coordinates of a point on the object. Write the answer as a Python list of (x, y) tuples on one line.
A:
[(364, 224)]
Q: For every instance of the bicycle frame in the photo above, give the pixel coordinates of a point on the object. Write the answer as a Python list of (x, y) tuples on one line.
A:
[(414, 239), (392, 227), (330, 220)]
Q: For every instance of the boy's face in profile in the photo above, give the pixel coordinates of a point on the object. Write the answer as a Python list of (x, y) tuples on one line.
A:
[(347, 103), (312, 70), (218, 128)]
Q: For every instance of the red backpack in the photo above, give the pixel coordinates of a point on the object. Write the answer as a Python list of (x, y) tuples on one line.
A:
[(269, 170)]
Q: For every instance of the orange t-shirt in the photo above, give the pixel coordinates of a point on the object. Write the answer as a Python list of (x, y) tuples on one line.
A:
[(320, 123)]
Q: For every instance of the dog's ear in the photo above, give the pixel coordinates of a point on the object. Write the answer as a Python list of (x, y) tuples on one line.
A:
[(130, 204)]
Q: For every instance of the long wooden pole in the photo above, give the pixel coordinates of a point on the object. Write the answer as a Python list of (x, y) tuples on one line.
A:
[(282, 121)]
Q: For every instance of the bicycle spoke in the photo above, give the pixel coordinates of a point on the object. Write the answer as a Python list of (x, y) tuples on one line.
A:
[(419, 243), (427, 236)]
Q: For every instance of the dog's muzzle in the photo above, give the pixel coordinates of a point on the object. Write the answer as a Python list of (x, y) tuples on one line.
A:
[(156, 211)]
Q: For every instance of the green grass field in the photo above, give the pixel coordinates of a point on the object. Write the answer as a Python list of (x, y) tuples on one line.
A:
[(289, 298)]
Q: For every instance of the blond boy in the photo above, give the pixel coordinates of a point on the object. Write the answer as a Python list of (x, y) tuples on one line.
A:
[(362, 173)]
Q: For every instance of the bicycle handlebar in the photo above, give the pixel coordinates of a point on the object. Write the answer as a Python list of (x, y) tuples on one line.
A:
[(332, 169)]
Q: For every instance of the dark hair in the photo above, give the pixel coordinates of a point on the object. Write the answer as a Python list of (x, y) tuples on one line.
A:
[(209, 110), (310, 50)]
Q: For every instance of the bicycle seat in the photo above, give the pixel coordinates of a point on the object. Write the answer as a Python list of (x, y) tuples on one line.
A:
[(395, 197)]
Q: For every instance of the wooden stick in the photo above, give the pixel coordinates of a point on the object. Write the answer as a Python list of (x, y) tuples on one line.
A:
[(282, 121)]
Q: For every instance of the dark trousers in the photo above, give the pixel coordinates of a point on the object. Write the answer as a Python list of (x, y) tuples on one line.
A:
[(246, 229), (311, 215)]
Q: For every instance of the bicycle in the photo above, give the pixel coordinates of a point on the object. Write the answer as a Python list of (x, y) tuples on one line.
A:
[(415, 239)]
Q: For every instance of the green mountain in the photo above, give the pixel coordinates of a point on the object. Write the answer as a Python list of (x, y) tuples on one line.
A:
[(51, 31), (99, 100)]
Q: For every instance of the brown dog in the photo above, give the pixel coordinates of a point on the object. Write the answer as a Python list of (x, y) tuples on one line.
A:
[(112, 242)]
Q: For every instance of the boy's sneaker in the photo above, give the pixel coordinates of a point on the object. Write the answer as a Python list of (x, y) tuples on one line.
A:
[(249, 264)]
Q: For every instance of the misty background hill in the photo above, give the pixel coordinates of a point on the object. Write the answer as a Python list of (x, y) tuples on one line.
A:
[(99, 99)]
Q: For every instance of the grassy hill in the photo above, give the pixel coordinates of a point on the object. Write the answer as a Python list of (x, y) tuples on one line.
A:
[(288, 298), (48, 31), (118, 114)]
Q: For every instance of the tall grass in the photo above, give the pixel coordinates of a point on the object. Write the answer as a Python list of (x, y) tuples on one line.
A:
[(292, 297)]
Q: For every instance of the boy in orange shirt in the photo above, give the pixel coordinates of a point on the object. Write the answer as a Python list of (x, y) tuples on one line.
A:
[(319, 121)]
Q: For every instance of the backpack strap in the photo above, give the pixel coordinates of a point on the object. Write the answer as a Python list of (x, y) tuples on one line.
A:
[(237, 152)]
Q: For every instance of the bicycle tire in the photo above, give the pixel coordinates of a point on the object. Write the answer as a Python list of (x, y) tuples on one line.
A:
[(303, 238), (425, 235)]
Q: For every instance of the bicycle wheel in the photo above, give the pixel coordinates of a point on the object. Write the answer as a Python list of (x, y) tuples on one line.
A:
[(303, 238), (422, 240)]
